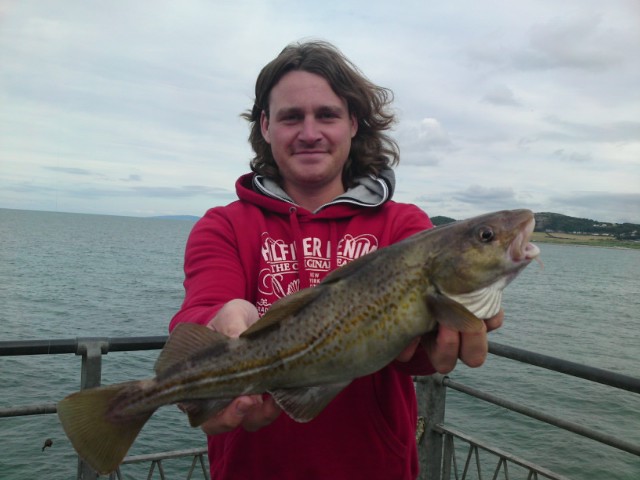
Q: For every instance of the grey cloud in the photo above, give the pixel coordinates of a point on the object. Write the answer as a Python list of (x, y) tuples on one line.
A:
[(418, 158), (133, 178), (501, 95), (525, 143), (30, 188), (128, 83), (623, 131), (422, 142), (600, 205), (478, 194), (474, 200), (70, 170), (184, 191), (580, 43), (577, 44), (572, 157)]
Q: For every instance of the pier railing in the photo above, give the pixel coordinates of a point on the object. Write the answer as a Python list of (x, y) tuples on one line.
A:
[(436, 440)]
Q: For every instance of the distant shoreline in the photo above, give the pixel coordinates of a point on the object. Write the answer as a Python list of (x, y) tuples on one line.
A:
[(560, 238), (190, 218)]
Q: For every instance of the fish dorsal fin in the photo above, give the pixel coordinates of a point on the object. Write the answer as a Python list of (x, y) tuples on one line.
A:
[(304, 404), (348, 269), (186, 339), (451, 314), (283, 308), (290, 305)]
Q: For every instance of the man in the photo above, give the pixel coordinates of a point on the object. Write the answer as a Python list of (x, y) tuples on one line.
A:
[(319, 197)]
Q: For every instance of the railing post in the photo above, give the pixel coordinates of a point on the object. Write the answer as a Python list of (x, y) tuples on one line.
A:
[(91, 350), (431, 394)]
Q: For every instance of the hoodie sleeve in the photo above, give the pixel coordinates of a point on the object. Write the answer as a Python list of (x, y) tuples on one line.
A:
[(407, 220), (213, 270)]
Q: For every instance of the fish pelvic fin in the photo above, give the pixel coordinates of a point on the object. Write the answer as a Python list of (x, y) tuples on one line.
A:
[(452, 314), (305, 403), (201, 410), (102, 442)]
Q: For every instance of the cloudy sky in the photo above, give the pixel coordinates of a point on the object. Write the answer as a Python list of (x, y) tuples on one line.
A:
[(132, 107)]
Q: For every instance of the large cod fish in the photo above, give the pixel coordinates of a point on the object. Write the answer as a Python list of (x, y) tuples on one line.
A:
[(312, 344)]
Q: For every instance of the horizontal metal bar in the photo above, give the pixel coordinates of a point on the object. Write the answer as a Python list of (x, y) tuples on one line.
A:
[(194, 452), (70, 345), (38, 409), (37, 347), (586, 372), (544, 417), (442, 429), (127, 344)]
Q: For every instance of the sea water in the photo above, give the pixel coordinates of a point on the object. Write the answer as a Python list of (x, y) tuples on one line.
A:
[(72, 275)]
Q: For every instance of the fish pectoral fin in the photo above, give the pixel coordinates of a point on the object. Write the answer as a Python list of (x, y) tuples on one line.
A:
[(452, 314), (200, 410), (305, 403), (185, 340), (283, 308), (100, 441)]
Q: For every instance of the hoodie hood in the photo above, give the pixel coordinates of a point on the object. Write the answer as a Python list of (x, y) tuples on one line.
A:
[(369, 191)]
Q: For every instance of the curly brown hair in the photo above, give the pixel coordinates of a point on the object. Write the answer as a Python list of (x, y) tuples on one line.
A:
[(371, 149)]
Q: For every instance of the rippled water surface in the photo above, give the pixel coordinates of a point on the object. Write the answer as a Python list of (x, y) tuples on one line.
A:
[(68, 275)]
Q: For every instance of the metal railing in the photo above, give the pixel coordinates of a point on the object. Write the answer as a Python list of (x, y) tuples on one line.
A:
[(92, 350), (436, 444), (156, 459), (435, 439)]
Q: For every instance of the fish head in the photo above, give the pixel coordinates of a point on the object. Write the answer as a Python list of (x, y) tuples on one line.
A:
[(478, 257)]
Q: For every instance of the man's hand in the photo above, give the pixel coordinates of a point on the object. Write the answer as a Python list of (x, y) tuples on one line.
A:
[(252, 412), (445, 348)]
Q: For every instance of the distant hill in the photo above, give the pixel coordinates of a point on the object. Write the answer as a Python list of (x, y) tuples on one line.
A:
[(558, 223), (555, 222), (440, 220)]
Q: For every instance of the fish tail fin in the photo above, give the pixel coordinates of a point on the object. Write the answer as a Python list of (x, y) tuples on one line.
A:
[(100, 440)]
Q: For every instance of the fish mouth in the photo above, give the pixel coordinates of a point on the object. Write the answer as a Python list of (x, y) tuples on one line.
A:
[(521, 250)]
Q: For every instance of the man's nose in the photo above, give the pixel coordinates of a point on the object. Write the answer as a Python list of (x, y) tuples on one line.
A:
[(309, 131)]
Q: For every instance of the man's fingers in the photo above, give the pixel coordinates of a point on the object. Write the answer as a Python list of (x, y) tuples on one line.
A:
[(474, 347), (231, 417), (443, 349), (496, 322), (251, 412), (407, 353), (261, 415), (234, 318)]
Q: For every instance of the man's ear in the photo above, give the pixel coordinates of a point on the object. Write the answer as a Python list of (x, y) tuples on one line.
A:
[(264, 126), (354, 126)]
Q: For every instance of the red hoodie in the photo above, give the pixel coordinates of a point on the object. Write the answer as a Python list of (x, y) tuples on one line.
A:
[(263, 247)]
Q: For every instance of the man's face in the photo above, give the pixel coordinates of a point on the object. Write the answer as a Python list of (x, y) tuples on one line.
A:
[(310, 130)]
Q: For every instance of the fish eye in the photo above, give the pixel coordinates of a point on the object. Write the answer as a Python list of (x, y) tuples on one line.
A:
[(486, 234)]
